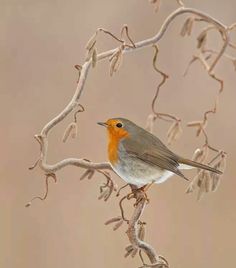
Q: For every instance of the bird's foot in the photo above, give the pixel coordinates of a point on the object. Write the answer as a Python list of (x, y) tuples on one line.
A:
[(141, 196)]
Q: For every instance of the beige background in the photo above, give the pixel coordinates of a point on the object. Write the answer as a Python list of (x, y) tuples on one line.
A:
[(40, 43)]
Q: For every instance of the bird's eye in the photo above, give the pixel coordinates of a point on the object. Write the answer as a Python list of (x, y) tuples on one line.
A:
[(119, 125)]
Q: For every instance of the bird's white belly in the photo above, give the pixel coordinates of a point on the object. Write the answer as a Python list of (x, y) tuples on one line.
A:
[(139, 173)]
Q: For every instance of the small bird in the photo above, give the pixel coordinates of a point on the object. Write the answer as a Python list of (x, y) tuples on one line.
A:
[(140, 158)]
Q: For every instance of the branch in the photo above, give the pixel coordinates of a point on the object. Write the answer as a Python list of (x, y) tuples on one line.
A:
[(134, 236), (76, 162), (132, 233), (83, 76)]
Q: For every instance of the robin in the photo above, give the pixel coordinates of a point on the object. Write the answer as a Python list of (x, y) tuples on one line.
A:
[(140, 158)]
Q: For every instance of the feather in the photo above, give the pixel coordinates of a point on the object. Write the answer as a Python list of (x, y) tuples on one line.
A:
[(198, 165)]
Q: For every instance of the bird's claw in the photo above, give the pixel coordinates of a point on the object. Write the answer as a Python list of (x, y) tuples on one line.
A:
[(140, 196)]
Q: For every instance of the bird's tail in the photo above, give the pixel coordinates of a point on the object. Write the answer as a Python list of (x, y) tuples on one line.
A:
[(197, 165)]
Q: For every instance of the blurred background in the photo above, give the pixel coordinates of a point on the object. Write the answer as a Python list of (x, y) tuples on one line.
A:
[(40, 42)]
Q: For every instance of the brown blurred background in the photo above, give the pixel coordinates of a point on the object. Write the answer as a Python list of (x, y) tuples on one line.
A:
[(40, 42)]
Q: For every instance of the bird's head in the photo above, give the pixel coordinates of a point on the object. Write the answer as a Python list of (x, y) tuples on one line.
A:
[(118, 127)]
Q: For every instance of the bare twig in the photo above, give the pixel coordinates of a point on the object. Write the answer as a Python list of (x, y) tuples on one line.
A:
[(80, 110), (164, 78), (121, 188), (125, 30), (79, 68), (107, 189), (132, 231), (175, 129), (48, 176), (203, 177), (34, 165), (121, 208)]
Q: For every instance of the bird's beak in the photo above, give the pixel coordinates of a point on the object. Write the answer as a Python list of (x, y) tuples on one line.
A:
[(102, 124)]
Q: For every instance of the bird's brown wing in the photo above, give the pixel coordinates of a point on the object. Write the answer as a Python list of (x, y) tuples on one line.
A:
[(152, 151)]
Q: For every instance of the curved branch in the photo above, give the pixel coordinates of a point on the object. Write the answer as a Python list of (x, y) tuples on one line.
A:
[(84, 73), (75, 162), (132, 231)]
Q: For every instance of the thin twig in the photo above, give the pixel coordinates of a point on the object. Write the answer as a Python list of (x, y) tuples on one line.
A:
[(121, 188), (121, 208), (48, 176), (111, 34), (163, 116), (126, 30), (80, 110)]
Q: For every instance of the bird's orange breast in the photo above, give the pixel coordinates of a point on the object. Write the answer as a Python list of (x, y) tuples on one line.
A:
[(113, 150), (113, 145)]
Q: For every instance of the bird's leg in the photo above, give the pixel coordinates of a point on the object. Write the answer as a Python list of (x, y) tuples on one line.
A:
[(147, 186), (144, 196), (145, 189), (139, 194)]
